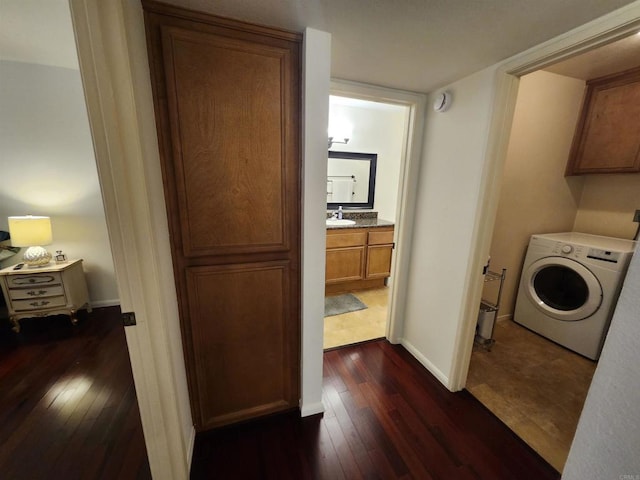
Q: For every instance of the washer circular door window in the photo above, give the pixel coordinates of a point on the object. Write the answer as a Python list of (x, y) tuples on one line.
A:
[(563, 289)]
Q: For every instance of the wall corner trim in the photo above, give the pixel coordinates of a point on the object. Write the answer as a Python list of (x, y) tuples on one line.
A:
[(311, 409), (442, 378)]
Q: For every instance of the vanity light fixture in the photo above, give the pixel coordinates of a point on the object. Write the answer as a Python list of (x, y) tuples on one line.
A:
[(332, 141), (340, 130), (32, 231)]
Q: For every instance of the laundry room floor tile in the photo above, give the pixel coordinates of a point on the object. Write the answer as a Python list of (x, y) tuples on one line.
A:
[(534, 386)]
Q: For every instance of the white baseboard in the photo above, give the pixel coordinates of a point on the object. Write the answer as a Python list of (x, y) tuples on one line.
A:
[(311, 409), (105, 303), (502, 318), (442, 378)]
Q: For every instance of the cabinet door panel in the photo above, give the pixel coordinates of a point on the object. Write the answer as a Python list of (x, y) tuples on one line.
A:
[(227, 113), (611, 140), (379, 261), (239, 317), (345, 264), (607, 138)]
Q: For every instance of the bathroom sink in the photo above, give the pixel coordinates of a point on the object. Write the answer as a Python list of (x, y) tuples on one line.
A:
[(334, 222)]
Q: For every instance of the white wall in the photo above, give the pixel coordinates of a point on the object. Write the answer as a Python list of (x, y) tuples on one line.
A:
[(449, 191), (317, 65), (47, 167), (535, 195), (608, 435), (377, 128), (607, 205)]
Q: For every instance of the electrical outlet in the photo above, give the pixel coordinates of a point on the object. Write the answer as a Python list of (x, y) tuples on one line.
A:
[(636, 216)]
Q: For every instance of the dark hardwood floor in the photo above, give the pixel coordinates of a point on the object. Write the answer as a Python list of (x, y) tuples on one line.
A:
[(68, 407), (68, 410), (386, 418)]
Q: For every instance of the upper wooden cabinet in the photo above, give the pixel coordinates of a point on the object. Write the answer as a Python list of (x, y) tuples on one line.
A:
[(227, 101), (607, 138)]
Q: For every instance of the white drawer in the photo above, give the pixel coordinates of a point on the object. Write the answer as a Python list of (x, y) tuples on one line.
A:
[(35, 279), (36, 292), (38, 303)]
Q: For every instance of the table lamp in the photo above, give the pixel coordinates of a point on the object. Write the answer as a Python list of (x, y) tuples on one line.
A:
[(31, 231)]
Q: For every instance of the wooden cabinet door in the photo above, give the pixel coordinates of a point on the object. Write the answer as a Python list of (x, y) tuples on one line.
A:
[(607, 138), (379, 261), (227, 100), (345, 264), (379, 253)]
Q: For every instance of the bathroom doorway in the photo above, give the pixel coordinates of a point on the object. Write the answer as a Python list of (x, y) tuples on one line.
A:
[(362, 258)]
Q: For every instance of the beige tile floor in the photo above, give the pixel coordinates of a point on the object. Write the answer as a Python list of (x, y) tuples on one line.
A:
[(534, 386), (361, 325)]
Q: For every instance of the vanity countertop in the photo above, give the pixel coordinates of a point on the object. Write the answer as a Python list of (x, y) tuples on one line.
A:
[(363, 223)]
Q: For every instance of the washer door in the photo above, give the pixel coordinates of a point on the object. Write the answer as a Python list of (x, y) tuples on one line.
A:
[(563, 289)]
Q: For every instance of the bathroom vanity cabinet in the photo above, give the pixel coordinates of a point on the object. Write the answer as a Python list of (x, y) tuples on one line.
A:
[(358, 258), (607, 138)]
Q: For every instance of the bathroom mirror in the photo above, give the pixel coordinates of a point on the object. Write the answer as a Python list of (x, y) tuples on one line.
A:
[(351, 180)]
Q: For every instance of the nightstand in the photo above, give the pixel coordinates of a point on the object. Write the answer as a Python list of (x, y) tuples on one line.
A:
[(38, 292)]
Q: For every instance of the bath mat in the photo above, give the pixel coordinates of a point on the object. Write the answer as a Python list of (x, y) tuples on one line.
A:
[(342, 304)]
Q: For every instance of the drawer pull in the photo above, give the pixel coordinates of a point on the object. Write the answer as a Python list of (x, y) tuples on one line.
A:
[(33, 293), (40, 304), (22, 280)]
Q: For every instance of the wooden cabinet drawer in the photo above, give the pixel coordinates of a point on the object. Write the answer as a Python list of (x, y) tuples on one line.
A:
[(35, 279), (38, 303), (351, 239), (36, 292), (377, 237)]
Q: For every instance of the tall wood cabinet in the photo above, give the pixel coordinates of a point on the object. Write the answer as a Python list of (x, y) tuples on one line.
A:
[(227, 101)]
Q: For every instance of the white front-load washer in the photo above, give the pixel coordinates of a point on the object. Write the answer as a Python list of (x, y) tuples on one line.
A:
[(569, 288)]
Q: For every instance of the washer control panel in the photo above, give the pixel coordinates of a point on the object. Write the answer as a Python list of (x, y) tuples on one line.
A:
[(604, 255), (568, 250), (580, 251)]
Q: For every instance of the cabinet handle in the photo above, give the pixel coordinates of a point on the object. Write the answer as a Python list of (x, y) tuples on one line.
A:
[(39, 304), (33, 293)]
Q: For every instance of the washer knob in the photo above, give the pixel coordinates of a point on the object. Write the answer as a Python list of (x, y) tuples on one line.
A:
[(567, 249)]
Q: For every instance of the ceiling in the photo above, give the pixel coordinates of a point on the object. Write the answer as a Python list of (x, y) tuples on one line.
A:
[(417, 45), (608, 59)]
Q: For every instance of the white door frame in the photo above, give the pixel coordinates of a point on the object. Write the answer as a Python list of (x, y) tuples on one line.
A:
[(618, 24), (136, 220), (407, 187)]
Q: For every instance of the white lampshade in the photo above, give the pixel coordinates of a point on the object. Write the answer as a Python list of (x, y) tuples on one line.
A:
[(32, 232), (29, 231)]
